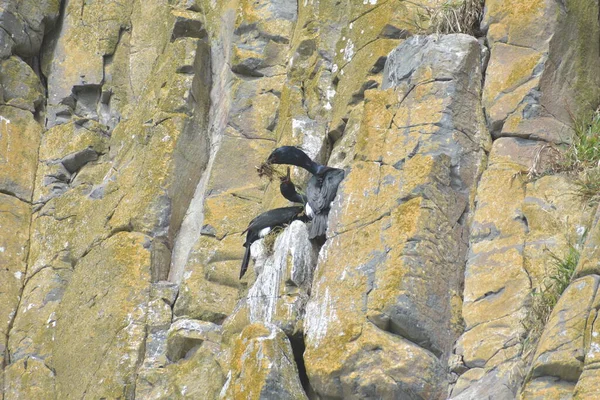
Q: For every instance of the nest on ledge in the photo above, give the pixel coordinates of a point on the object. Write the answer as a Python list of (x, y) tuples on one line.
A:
[(268, 170)]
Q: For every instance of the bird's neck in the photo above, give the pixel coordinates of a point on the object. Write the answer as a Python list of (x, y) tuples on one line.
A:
[(303, 161), (300, 159), (312, 167)]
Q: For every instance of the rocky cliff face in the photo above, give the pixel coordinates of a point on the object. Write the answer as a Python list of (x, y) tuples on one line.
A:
[(129, 136)]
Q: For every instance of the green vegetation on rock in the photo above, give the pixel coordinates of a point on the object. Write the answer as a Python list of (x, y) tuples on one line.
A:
[(584, 152), (545, 297), (583, 157)]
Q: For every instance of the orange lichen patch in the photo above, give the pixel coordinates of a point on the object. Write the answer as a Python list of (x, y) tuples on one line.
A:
[(521, 9), (513, 121), (421, 112), (518, 12), (229, 212), (256, 353), (405, 222), (500, 104), (498, 33), (19, 140), (406, 218), (522, 70), (379, 107), (371, 195)]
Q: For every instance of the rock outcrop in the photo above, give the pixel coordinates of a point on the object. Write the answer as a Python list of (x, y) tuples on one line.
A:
[(129, 136)]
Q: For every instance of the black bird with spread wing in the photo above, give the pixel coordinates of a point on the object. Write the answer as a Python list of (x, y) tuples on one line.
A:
[(321, 189), (260, 226)]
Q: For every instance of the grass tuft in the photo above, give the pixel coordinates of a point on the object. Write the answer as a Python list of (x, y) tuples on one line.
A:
[(584, 152), (269, 240), (588, 186), (452, 16), (546, 296), (583, 158)]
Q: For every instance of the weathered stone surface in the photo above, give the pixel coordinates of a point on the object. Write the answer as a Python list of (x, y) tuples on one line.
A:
[(20, 137), (34, 329), (154, 102), (199, 377), (589, 262), (557, 221), (262, 33), (360, 70), (535, 48), (587, 384), (75, 64), (395, 254), (232, 191), (92, 184), (158, 322), (29, 378), (515, 229), (185, 335), (14, 218), (498, 384), (547, 388), (64, 151), (108, 293), (21, 87), (568, 348), (262, 366), (208, 296), (572, 57), (560, 352), (24, 24)]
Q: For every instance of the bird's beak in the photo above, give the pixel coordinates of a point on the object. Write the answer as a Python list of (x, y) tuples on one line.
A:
[(288, 174)]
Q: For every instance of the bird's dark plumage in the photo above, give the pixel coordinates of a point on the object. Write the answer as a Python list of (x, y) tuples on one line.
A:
[(269, 219), (321, 189), (288, 190)]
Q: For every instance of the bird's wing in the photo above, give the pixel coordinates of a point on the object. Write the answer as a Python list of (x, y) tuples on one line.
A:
[(321, 191), (331, 183), (316, 196), (274, 217)]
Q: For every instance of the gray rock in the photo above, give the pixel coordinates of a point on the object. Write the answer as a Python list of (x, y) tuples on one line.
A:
[(21, 87), (24, 24), (189, 24), (494, 385), (188, 334), (164, 290), (75, 161)]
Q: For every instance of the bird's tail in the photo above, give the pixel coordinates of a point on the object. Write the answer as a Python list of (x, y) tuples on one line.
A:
[(245, 261), (318, 227)]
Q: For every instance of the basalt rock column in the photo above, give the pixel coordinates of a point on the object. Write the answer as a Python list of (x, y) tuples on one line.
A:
[(385, 306), (109, 197)]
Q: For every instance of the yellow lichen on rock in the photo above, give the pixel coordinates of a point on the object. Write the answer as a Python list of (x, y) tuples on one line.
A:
[(14, 218), (129, 137), (20, 137), (112, 301), (262, 364)]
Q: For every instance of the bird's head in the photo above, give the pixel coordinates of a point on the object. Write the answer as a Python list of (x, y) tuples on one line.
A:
[(293, 156), (279, 155)]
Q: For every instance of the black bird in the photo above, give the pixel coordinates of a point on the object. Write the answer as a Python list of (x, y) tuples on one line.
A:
[(260, 226), (288, 189), (321, 189)]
